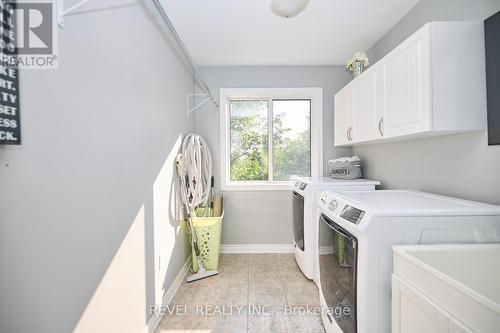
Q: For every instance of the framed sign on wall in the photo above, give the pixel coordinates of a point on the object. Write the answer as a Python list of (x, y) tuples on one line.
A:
[(10, 127), (492, 38)]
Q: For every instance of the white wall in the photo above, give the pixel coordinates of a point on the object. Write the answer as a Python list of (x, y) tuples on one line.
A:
[(77, 198), (265, 217), (460, 165)]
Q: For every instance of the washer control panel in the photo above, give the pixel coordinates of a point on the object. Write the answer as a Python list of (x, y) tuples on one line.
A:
[(333, 205), (352, 214)]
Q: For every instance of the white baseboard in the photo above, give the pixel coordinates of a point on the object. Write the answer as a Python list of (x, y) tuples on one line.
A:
[(169, 295), (257, 248)]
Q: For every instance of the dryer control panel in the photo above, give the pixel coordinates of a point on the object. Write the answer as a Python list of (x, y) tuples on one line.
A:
[(352, 214), (300, 185)]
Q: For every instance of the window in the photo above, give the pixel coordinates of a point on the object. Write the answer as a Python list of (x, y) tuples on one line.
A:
[(269, 137)]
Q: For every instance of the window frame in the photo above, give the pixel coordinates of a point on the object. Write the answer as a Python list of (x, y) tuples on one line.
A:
[(314, 94)]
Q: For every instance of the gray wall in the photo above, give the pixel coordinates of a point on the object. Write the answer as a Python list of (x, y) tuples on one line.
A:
[(76, 229), (264, 217), (428, 11), (460, 165)]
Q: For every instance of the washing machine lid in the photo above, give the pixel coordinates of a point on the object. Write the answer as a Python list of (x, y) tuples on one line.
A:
[(403, 202)]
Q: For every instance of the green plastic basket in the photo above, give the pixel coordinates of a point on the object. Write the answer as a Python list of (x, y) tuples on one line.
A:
[(208, 232)]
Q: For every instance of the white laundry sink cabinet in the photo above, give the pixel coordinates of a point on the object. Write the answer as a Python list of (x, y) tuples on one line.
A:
[(446, 288)]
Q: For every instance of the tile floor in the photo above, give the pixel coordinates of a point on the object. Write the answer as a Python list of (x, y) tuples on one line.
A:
[(252, 293)]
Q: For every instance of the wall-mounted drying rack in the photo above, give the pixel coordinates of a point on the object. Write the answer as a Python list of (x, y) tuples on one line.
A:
[(61, 12), (206, 98), (207, 94)]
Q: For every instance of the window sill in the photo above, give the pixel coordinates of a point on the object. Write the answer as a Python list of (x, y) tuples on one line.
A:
[(252, 187)]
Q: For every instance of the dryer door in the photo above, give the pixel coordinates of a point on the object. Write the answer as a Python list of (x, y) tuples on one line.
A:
[(338, 252), (298, 220)]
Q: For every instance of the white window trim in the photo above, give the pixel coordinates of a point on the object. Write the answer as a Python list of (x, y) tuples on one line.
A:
[(316, 97)]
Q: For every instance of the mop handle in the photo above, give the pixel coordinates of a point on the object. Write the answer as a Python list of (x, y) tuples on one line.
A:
[(194, 238)]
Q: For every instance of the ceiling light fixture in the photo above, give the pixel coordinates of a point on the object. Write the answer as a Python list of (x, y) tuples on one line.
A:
[(288, 8)]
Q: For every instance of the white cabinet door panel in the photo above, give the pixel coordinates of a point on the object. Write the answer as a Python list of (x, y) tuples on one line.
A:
[(365, 101), (343, 116), (407, 87), (413, 312)]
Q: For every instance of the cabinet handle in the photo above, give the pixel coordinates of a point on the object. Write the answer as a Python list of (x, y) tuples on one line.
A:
[(380, 126), (347, 134)]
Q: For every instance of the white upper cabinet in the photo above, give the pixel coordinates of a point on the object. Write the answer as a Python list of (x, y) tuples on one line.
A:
[(434, 83), (343, 117)]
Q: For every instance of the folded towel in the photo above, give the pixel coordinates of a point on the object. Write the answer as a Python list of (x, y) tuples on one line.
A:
[(347, 159)]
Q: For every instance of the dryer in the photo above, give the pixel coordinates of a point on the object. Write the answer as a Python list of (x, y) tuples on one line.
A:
[(356, 233), (305, 194)]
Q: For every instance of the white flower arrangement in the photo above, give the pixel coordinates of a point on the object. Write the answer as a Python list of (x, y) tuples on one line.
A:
[(357, 57)]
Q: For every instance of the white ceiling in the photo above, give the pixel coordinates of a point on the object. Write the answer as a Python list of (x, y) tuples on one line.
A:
[(246, 32)]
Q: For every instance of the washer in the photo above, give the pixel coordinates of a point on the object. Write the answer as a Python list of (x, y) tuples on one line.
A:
[(356, 233), (305, 193)]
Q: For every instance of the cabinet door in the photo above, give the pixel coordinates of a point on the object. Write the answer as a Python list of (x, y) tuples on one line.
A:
[(366, 115), (412, 312), (343, 116), (407, 77)]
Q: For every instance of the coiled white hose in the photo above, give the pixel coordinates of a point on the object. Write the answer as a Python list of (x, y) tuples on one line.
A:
[(195, 170)]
